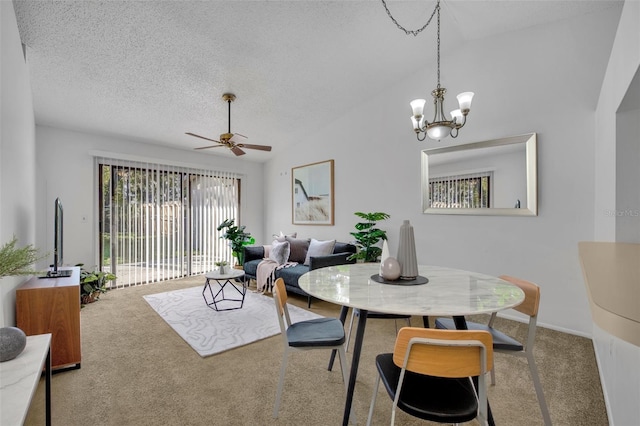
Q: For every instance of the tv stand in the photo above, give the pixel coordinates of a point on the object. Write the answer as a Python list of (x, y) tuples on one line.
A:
[(53, 306), (60, 273)]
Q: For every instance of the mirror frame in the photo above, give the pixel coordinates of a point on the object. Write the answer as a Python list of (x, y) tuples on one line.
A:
[(531, 207)]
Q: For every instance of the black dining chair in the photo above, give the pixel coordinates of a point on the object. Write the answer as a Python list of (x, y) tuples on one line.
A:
[(319, 333), (429, 374), (503, 343)]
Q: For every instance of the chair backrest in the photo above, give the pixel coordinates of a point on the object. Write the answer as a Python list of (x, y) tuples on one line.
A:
[(280, 296), (444, 353), (531, 295)]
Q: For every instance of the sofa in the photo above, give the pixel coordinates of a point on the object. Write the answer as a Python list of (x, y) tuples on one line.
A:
[(301, 251)]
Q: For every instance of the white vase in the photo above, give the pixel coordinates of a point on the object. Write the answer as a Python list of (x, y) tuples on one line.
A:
[(385, 254), (407, 252), (223, 269)]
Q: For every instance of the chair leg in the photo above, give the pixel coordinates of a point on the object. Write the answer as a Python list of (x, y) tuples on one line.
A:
[(349, 329), (373, 400), (493, 371), (538, 386), (280, 383)]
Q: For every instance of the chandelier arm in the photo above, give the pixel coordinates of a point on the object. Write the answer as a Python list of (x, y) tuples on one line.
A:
[(406, 31), (424, 135), (456, 133)]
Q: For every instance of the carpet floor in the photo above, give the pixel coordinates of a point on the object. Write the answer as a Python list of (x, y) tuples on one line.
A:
[(137, 371), (209, 331)]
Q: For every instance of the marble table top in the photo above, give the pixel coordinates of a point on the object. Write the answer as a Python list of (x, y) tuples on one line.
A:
[(19, 379), (449, 292), (230, 273)]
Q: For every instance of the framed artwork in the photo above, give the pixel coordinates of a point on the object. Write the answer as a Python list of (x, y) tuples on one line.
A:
[(312, 197)]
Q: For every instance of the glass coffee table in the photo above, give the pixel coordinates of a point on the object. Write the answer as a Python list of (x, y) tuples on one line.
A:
[(227, 290)]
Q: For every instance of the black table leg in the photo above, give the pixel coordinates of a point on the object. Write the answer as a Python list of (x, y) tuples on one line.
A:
[(461, 324), (47, 391), (355, 361), (425, 321), (343, 317)]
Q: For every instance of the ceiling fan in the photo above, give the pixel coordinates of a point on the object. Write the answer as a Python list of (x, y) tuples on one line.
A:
[(230, 140)]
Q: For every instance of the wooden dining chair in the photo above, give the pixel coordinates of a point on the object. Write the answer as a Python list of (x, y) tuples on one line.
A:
[(319, 333), (429, 374), (503, 343)]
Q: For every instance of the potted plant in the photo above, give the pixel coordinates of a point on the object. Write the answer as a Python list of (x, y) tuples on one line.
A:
[(17, 261), (367, 236), (222, 266), (237, 237), (93, 284)]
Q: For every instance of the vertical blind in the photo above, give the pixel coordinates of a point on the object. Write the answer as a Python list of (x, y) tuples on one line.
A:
[(461, 191), (158, 222)]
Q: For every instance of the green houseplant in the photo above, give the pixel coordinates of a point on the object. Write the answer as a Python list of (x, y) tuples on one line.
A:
[(17, 261), (237, 237), (367, 236), (93, 283)]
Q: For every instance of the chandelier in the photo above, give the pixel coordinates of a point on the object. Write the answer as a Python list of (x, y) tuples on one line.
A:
[(440, 127)]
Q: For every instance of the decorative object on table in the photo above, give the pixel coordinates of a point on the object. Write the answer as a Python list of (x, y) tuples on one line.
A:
[(368, 236), (440, 127), (312, 200), (384, 255), (237, 237), (407, 252), (12, 343), (93, 284), (15, 261), (390, 269), (222, 266)]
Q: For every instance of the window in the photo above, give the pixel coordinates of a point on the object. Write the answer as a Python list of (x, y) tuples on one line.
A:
[(159, 222), (461, 191)]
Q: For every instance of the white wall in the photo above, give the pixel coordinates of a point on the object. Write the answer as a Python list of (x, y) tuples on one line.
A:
[(17, 153), (543, 80), (617, 134), (66, 170)]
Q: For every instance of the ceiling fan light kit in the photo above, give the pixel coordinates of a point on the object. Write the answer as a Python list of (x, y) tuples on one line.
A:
[(440, 127), (230, 140)]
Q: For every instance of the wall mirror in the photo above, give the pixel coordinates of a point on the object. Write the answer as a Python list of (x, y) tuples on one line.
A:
[(494, 177)]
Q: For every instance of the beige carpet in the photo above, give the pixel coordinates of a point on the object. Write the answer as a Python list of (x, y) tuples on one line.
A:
[(137, 371)]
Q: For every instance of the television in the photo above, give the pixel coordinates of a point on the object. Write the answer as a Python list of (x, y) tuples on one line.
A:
[(58, 240)]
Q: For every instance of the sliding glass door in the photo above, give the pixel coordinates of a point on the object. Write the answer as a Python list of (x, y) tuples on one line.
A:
[(159, 223)]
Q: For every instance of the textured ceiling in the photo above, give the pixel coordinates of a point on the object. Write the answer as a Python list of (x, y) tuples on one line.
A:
[(153, 70)]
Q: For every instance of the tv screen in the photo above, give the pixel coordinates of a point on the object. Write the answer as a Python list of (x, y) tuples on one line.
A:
[(58, 241)]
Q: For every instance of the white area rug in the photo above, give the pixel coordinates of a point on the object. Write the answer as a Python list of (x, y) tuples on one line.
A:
[(210, 332)]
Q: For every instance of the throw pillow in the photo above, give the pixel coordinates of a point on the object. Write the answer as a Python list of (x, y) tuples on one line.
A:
[(279, 252), (319, 248), (282, 237), (299, 249)]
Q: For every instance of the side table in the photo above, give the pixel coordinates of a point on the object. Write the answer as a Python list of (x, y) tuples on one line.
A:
[(233, 281)]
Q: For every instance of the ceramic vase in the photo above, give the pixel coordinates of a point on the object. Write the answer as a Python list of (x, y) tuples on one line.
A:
[(385, 254), (407, 252), (223, 269)]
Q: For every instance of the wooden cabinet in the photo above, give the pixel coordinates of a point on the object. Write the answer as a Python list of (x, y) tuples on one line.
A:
[(52, 305)]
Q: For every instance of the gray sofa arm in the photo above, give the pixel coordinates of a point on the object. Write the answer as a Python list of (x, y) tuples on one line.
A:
[(253, 253), (316, 262)]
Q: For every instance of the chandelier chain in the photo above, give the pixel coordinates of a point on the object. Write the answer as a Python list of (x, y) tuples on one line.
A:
[(438, 9), (419, 30)]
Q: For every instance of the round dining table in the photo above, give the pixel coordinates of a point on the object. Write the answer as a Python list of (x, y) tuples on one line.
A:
[(435, 291)]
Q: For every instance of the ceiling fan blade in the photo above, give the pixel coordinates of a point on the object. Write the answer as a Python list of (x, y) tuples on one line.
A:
[(210, 146), (235, 137), (237, 151), (202, 137), (260, 147)]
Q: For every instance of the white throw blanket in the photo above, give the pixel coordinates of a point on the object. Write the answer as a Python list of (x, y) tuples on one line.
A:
[(266, 274)]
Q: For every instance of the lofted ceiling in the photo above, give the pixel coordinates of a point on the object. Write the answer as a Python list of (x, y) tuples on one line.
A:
[(152, 70)]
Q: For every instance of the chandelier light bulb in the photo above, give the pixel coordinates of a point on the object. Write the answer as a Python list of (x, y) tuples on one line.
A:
[(417, 106), (456, 115), (464, 100)]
